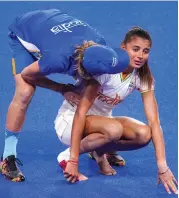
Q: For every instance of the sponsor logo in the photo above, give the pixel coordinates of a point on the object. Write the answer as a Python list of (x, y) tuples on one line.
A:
[(107, 99), (67, 27)]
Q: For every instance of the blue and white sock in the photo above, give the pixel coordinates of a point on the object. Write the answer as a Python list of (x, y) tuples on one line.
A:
[(11, 140)]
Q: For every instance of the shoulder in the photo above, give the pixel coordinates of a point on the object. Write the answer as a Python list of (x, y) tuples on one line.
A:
[(142, 86)]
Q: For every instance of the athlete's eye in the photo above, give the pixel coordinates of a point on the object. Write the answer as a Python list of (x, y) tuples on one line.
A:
[(146, 51), (135, 49)]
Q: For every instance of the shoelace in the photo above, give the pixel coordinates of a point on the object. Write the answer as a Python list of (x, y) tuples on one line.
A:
[(12, 164)]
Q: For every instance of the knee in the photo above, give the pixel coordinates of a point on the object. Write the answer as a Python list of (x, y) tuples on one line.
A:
[(24, 96), (113, 131), (144, 135)]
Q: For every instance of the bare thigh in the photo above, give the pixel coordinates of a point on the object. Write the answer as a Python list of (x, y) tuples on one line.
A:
[(103, 125), (133, 129)]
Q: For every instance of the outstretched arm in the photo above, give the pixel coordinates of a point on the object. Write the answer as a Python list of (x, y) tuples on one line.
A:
[(86, 102), (87, 99), (151, 111)]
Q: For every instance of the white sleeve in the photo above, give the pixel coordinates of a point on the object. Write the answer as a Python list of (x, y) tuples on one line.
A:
[(102, 79), (143, 87)]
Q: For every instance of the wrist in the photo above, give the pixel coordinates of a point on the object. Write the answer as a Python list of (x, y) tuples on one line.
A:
[(162, 166), (74, 158), (163, 172), (72, 161)]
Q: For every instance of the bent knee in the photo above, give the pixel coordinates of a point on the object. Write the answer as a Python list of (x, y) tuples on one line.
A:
[(24, 96), (144, 134), (113, 131)]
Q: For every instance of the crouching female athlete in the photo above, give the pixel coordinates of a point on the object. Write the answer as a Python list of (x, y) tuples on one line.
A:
[(101, 132)]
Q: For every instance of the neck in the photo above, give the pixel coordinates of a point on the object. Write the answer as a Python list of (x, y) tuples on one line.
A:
[(129, 70)]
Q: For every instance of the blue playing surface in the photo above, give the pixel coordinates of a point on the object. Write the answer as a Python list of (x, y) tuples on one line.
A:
[(39, 146)]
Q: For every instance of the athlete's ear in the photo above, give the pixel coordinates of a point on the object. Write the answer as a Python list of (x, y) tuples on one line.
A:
[(123, 46)]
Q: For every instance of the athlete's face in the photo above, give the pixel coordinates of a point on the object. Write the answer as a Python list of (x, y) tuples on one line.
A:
[(138, 50)]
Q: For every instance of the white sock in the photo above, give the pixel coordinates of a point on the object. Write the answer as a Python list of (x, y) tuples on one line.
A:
[(65, 155)]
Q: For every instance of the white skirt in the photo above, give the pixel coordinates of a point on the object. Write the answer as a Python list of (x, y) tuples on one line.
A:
[(63, 126)]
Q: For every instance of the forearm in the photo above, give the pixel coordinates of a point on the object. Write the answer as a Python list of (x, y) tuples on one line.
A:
[(77, 134), (44, 82), (32, 75), (79, 120), (159, 145)]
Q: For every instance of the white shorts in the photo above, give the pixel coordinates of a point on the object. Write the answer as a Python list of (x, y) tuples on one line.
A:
[(63, 126)]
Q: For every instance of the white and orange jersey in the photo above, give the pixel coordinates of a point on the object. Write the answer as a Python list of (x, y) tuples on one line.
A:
[(114, 89)]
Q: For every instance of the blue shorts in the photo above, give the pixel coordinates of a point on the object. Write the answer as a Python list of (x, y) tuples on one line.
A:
[(21, 57)]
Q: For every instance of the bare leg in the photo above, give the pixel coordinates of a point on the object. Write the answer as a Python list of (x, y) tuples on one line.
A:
[(104, 134), (103, 164), (18, 107), (135, 135), (15, 119), (97, 134), (16, 114)]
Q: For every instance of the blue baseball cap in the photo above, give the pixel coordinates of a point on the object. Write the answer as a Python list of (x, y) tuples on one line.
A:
[(100, 59)]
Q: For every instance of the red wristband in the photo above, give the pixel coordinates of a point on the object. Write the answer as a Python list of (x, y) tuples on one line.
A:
[(75, 162)]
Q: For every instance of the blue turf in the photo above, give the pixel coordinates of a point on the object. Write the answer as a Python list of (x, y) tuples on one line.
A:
[(38, 145)]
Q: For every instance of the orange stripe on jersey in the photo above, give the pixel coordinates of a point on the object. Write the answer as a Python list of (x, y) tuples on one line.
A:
[(13, 66), (124, 76)]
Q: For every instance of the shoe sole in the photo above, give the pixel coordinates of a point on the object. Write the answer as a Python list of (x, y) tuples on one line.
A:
[(16, 179)]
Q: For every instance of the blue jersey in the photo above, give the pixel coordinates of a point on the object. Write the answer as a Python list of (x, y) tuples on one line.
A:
[(52, 36)]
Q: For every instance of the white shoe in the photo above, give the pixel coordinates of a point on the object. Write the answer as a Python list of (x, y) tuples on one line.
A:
[(63, 158)]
